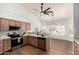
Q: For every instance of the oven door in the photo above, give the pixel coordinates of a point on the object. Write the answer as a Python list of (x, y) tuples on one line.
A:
[(15, 42)]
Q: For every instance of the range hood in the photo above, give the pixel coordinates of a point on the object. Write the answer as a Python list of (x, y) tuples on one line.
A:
[(14, 28)]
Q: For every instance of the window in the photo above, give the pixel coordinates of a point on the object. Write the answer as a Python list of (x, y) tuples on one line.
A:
[(57, 30)]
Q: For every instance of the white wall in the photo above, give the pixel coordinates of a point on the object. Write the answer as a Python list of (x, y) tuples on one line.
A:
[(17, 12)]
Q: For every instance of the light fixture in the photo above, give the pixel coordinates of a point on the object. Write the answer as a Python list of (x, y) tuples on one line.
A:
[(52, 24)]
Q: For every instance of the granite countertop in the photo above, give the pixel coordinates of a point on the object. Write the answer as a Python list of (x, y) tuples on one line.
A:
[(4, 37)]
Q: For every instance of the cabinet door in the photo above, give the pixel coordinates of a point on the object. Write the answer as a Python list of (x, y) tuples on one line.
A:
[(12, 22), (4, 25), (42, 44), (30, 40), (34, 41), (1, 46), (28, 26), (23, 26), (25, 40), (18, 24)]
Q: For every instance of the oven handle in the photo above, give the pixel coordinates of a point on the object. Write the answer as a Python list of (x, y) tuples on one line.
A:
[(14, 38)]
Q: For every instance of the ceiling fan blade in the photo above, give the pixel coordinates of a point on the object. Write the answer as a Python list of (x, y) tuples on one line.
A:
[(35, 14), (49, 12), (36, 10), (47, 9), (46, 13)]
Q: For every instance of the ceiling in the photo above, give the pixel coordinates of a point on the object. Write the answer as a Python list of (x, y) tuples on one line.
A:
[(61, 10)]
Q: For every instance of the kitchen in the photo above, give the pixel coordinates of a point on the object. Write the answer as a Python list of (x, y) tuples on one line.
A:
[(23, 31)]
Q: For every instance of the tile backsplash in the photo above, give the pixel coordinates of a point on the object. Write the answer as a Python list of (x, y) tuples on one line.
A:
[(5, 33)]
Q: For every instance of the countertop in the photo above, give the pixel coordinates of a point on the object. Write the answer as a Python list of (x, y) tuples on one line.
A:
[(35, 35), (77, 41), (7, 37), (4, 37)]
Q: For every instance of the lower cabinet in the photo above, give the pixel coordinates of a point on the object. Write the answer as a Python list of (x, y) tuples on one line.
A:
[(33, 41), (25, 40), (76, 48), (6, 44), (1, 46), (30, 40), (42, 43)]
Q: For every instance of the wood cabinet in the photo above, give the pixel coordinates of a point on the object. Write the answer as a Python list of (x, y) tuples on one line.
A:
[(76, 48), (28, 26), (12, 22), (1, 46), (33, 41), (30, 40), (25, 40), (23, 25), (7, 44), (42, 43), (4, 24), (18, 24)]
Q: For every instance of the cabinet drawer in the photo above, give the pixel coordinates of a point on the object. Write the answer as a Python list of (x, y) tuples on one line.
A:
[(7, 41), (8, 44), (7, 48)]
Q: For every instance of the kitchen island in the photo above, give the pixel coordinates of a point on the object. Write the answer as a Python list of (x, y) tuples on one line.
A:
[(38, 41)]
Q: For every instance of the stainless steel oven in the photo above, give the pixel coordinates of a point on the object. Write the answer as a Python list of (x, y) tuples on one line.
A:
[(16, 41)]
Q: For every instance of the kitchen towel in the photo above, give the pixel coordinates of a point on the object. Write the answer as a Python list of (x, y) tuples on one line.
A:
[(19, 40)]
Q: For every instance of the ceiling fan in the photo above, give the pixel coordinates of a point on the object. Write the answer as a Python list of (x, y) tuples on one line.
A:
[(46, 11)]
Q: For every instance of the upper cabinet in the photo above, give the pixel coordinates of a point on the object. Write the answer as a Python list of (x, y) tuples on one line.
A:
[(28, 26), (4, 24), (18, 24), (12, 22), (23, 25)]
